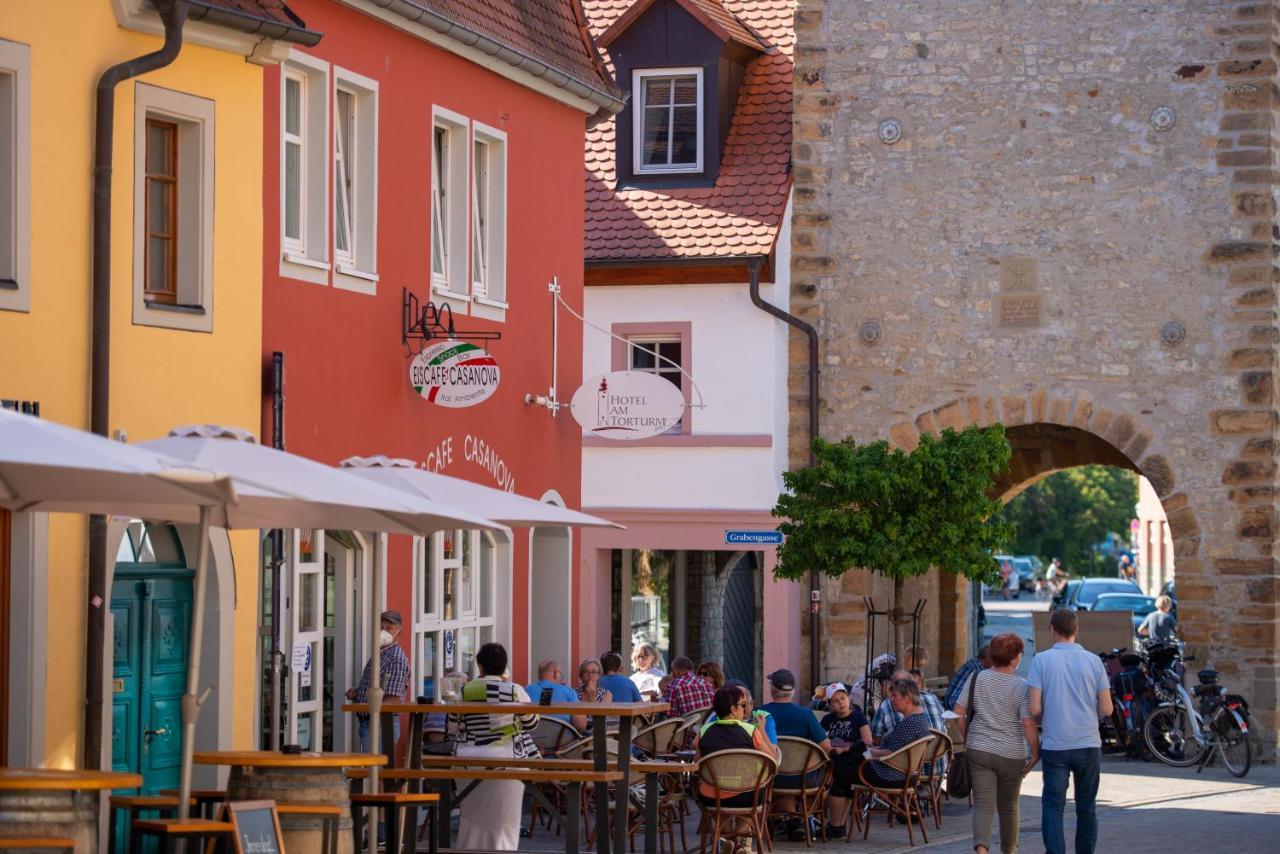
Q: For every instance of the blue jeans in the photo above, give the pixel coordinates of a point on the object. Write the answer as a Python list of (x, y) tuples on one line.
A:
[(1085, 765), (362, 729)]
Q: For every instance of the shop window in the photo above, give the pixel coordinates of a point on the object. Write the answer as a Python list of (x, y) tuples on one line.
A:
[(355, 178), (15, 176), (454, 604), (304, 175), (667, 124), (449, 226), (173, 210)]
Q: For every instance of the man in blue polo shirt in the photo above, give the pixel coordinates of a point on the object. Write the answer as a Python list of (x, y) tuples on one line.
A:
[(1068, 690), (789, 718), (622, 688), (550, 680)]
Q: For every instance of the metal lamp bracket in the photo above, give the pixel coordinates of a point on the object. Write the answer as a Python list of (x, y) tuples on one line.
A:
[(431, 322)]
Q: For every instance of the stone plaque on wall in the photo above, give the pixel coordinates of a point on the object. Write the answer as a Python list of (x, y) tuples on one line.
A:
[(1018, 273), (1018, 311)]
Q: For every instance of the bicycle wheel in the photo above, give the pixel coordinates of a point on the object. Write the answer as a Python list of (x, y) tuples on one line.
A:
[(1233, 742), (1169, 735)]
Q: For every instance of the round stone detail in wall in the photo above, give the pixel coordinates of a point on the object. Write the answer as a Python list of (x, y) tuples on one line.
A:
[(1173, 333), (1163, 118), (890, 131), (869, 333)]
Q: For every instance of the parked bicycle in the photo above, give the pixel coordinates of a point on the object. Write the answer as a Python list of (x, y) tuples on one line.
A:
[(1131, 700), (1183, 731)]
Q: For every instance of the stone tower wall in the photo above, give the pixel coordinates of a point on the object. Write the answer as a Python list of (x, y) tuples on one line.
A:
[(1076, 225)]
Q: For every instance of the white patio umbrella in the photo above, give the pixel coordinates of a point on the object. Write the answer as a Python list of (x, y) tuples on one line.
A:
[(508, 508), (281, 490), (48, 468)]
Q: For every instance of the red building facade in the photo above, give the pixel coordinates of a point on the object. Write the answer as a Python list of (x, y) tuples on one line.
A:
[(432, 149)]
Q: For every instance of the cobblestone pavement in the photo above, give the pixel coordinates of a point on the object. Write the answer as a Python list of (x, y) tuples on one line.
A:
[(1142, 807)]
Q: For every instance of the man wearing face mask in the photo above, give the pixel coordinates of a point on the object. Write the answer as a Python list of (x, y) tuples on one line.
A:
[(394, 669)]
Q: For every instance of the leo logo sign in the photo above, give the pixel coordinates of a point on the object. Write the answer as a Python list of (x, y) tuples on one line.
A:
[(628, 405), (454, 374)]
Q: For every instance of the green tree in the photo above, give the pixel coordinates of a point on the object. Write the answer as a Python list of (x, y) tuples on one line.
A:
[(894, 513), (1065, 514)]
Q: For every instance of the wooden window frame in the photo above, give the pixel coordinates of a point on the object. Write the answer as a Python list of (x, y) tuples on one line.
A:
[(170, 295)]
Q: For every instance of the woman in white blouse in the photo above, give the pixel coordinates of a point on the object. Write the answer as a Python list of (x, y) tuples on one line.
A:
[(647, 673)]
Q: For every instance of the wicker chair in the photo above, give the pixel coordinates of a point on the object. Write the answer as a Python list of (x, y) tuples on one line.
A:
[(693, 722), (552, 734), (671, 799), (730, 773), (658, 739), (901, 801), (932, 778), (802, 758)]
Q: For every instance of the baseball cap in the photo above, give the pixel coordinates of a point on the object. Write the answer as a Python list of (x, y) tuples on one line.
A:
[(392, 617), (836, 686), (783, 680)]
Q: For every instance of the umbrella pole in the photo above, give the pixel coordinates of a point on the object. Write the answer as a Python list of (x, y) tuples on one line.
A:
[(374, 696), (190, 704)]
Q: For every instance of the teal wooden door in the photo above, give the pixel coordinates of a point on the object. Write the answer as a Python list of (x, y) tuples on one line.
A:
[(151, 607)]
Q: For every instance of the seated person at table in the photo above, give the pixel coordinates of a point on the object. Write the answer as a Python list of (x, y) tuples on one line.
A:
[(711, 671), (731, 730), (646, 671), (490, 815), (887, 715), (589, 690), (904, 694), (760, 717), (393, 670), (622, 688), (687, 691), (849, 737), (551, 679), (981, 661), (795, 721)]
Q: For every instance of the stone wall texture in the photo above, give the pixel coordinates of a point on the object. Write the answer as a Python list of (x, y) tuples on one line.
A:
[(1101, 177)]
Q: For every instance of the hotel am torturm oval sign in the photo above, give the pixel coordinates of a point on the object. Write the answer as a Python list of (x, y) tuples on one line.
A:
[(628, 405), (454, 374)]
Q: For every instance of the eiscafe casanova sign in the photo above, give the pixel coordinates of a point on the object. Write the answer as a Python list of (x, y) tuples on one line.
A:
[(628, 405)]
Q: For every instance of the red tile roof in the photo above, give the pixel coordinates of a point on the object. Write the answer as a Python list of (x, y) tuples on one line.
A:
[(712, 15), (552, 32), (741, 214)]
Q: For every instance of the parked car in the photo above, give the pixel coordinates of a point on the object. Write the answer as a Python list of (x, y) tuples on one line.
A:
[(1024, 567), (1138, 604), (1091, 588)]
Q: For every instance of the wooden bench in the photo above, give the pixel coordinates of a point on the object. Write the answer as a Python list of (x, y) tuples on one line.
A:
[(42, 843), (332, 816), (397, 806), (169, 830), (135, 804)]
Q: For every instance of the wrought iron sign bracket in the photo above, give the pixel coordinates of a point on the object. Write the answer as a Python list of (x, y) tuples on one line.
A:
[(431, 322)]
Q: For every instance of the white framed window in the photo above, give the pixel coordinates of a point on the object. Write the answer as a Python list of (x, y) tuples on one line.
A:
[(667, 121), (489, 221), (304, 169), (450, 173), (355, 180), (456, 581), (15, 176), (173, 209), (662, 355)]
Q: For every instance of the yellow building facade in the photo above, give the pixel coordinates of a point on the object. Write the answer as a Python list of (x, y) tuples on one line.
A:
[(185, 329)]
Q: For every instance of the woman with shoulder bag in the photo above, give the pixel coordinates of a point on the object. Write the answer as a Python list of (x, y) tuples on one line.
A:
[(1001, 742)]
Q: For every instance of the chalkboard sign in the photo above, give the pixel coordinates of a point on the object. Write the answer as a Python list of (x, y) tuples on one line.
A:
[(257, 827)]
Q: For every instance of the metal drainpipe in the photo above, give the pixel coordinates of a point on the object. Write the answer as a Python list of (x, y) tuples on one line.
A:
[(815, 592), (174, 14)]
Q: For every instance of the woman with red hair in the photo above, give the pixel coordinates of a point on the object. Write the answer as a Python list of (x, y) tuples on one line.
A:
[(1001, 741)]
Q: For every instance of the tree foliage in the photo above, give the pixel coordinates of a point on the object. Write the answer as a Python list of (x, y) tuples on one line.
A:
[(1065, 514), (895, 513)]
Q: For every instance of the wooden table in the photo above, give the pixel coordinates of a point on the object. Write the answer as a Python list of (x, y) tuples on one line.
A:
[(49, 802), (599, 714), (294, 778)]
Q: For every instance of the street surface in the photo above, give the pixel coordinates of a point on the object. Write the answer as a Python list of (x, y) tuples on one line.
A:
[(1142, 807)]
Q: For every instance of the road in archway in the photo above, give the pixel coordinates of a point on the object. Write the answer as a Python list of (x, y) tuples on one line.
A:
[(1013, 615)]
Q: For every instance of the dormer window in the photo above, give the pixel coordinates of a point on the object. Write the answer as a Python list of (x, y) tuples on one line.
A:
[(668, 122)]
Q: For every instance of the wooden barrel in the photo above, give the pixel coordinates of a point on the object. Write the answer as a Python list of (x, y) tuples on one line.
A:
[(60, 813), (321, 786)]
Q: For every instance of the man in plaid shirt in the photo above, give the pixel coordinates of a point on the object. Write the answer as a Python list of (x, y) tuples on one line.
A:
[(394, 678), (687, 691)]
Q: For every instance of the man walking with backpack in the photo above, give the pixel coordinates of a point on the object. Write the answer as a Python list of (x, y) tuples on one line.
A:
[(1068, 691)]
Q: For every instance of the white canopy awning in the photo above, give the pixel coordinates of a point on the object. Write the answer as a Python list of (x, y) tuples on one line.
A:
[(505, 507)]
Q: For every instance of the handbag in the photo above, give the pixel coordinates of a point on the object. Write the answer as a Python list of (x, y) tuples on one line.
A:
[(958, 783)]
